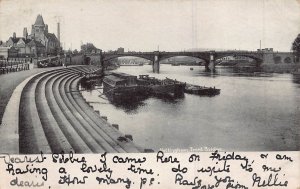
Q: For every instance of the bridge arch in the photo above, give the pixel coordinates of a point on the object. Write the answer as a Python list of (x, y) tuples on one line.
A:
[(287, 60), (258, 60), (206, 59), (110, 57)]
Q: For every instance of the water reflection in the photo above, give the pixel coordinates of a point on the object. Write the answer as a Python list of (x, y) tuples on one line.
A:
[(130, 107), (252, 113)]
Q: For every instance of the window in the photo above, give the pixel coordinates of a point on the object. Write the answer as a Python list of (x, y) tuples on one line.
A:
[(37, 30)]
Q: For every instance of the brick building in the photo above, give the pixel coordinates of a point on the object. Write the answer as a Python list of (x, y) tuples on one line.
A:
[(40, 42)]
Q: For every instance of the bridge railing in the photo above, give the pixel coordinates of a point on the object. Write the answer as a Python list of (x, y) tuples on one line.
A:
[(175, 52)]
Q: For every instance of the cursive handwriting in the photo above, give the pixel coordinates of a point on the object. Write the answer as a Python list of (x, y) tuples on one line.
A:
[(25, 159), (69, 158), (272, 181)]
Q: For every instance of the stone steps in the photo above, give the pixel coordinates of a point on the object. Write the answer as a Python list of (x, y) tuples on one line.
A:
[(107, 128), (76, 140), (57, 140), (64, 104), (32, 135), (99, 128), (54, 117), (100, 137)]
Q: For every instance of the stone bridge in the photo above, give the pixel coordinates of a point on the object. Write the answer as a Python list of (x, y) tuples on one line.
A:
[(209, 57)]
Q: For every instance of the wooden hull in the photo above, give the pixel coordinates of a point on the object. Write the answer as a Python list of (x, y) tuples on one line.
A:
[(138, 92), (124, 93), (203, 91)]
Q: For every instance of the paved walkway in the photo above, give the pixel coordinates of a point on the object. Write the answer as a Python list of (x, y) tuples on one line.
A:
[(8, 83)]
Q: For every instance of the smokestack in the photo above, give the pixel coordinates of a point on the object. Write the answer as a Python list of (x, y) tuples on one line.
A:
[(25, 34), (14, 35), (58, 32), (259, 44)]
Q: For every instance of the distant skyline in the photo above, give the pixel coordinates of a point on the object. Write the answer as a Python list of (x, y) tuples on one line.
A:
[(151, 24)]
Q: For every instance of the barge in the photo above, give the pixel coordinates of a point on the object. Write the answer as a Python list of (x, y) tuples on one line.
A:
[(164, 87), (121, 87), (199, 90), (90, 79)]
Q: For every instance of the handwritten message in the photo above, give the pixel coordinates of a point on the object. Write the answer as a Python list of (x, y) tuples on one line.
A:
[(205, 170)]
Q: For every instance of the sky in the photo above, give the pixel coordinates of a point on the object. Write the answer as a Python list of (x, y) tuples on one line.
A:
[(148, 25)]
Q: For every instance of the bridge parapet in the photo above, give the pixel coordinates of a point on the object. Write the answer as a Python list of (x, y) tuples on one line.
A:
[(208, 56)]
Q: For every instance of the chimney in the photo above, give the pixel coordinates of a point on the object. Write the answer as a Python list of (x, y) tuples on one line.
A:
[(58, 32), (14, 35), (46, 28), (32, 30), (25, 34)]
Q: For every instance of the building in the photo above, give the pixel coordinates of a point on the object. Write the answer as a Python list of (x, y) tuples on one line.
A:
[(40, 33), (265, 50), (120, 50), (39, 43), (3, 52)]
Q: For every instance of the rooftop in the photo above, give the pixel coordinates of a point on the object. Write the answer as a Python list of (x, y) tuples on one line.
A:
[(39, 21), (113, 78), (120, 74)]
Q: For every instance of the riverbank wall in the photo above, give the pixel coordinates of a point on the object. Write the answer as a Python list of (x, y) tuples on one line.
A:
[(280, 68)]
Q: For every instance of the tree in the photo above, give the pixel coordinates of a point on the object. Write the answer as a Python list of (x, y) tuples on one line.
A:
[(75, 51), (296, 46), (88, 48)]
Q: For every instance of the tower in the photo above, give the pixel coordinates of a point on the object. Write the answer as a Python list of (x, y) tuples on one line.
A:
[(38, 28)]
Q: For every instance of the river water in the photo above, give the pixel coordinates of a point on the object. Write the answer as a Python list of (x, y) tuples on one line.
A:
[(250, 114)]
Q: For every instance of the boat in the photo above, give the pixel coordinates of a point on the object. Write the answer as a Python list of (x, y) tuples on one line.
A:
[(202, 91), (121, 87), (164, 88), (199, 90)]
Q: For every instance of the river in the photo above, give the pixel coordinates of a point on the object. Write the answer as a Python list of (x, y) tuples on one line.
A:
[(250, 114)]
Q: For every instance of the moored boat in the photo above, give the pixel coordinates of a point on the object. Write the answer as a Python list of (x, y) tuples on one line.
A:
[(199, 90), (121, 87)]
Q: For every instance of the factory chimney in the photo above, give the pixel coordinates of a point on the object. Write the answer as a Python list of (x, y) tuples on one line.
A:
[(58, 32)]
